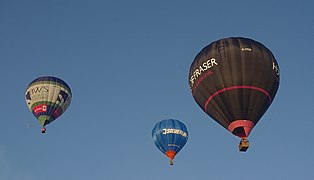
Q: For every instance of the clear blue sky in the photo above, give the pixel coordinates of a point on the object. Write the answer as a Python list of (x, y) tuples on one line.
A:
[(127, 64)]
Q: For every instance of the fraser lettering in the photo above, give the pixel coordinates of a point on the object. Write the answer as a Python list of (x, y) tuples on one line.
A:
[(198, 71)]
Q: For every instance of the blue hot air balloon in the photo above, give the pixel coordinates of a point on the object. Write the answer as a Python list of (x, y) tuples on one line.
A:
[(170, 136)]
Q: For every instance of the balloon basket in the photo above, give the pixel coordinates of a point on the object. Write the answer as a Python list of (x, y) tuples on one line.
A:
[(171, 163), (244, 145), (43, 130)]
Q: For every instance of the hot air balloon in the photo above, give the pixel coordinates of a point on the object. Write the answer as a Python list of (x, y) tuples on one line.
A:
[(48, 97), (234, 80), (170, 136)]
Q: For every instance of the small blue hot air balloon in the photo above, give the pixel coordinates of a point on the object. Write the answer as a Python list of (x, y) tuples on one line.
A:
[(170, 136)]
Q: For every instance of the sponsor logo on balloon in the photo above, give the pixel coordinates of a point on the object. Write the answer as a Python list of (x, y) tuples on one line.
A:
[(199, 71), (38, 89), (275, 67), (246, 49), (174, 131), (40, 108), (207, 73), (173, 145)]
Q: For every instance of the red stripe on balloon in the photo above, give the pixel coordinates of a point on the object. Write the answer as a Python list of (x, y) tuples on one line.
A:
[(236, 87)]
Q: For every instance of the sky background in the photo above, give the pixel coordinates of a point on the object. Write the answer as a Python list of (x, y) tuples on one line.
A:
[(127, 63)]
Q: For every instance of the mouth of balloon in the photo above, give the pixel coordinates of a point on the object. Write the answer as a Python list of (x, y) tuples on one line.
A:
[(171, 154), (241, 128)]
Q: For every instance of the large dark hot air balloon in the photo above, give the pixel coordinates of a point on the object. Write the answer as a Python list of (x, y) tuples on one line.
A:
[(48, 97), (234, 81)]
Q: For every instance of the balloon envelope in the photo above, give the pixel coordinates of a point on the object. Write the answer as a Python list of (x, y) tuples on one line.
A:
[(234, 81), (48, 98), (170, 136)]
